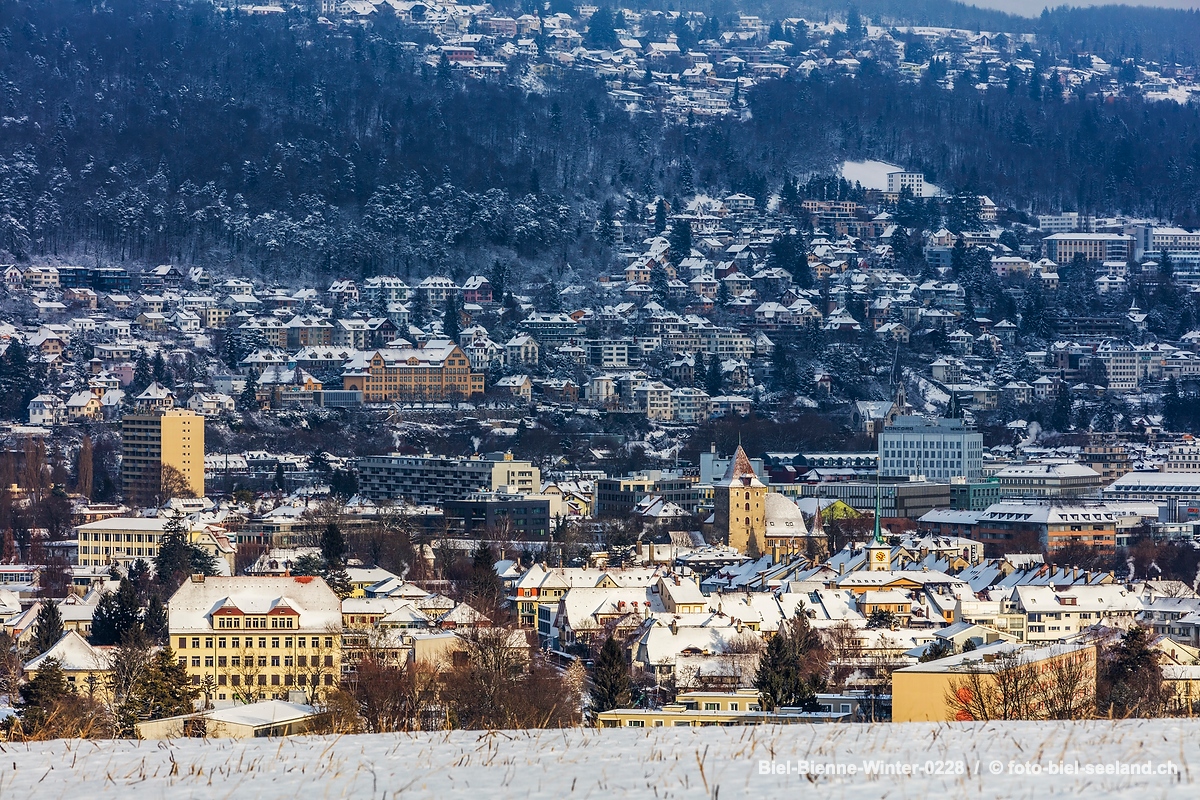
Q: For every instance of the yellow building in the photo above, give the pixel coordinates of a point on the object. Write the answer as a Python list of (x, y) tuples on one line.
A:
[(86, 667), (255, 638), (439, 370), (123, 540), (150, 442), (926, 692)]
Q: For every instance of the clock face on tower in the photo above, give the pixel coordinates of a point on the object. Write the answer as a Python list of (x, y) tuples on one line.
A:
[(880, 556)]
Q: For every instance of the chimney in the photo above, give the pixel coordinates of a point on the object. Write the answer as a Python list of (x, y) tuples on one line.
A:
[(674, 626), (198, 578)]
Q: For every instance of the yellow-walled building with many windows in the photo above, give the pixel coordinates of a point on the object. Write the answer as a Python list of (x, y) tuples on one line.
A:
[(151, 441), (439, 370), (255, 638)]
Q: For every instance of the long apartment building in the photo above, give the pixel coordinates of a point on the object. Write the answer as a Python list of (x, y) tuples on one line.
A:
[(124, 540), (433, 480), (1062, 247), (438, 371), (257, 638)]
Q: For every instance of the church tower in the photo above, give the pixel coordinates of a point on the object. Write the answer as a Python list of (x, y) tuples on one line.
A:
[(879, 552), (739, 506)]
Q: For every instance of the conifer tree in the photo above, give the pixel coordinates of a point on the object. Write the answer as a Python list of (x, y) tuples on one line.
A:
[(154, 620), (41, 693), (117, 615), (48, 628), (611, 687)]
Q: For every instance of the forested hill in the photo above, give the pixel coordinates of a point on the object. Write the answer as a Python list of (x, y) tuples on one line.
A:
[(142, 130)]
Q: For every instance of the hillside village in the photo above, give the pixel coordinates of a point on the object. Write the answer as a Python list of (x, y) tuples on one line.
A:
[(1002, 486), (695, 66)]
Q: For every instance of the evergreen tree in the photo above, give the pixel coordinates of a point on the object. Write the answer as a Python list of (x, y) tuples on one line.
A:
[(1060, 416), (247, 401), (499, 278), (48, 628), (938, 648), (161, 689), (117, 615), (178, 558), (789, 672), (713, 382), (338, 580), (679, 241), (660, 214), (143, 374), (154, 621), (1130, 680), (660, 284), (450, 319), (333, 545), (856, 29), (611, 686), (308, 564), (40, 694), (601, 30)]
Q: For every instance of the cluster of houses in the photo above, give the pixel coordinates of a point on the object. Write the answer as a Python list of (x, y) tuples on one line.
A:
[(648, 67)]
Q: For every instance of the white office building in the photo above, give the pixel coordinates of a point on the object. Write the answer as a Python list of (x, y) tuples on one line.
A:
[(937, 449)]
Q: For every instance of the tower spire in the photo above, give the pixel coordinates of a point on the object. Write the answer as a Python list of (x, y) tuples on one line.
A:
[(878, 537)]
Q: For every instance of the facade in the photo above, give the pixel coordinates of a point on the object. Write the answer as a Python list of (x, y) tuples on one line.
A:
[(256, 637), (910, 499), (486, 513), (937, 449), (618, 496), (921, 692), (432, 480), (1017, 526), (123, 540), (1050, 479), (1062, 247), (913, 181), (438, 371), (150, 442), (966, 496)]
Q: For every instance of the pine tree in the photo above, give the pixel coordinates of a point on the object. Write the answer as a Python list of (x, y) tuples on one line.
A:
[(117, 615), (450, 320), (679, 241), (660, 211), (660, 284), (248, 400), (333, 545), (611, 687), (789, 672), (178, 558), (161, 689), (83, 468), (713, 380), (154, 621), (48, 628), (41, 693)]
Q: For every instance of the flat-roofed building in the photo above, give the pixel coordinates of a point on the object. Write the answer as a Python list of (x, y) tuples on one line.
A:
[(433, 480)]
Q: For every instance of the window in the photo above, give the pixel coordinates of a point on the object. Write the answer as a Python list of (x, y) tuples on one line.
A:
[(712, 706), (635, 723)]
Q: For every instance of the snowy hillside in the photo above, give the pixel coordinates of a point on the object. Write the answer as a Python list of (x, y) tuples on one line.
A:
[(661, 763)]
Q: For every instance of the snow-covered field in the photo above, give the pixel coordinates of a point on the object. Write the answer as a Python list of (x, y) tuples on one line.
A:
[(1006, 760), (873, 175)]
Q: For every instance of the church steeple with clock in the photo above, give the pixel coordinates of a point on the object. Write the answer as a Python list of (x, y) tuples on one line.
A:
[(879, 552)]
